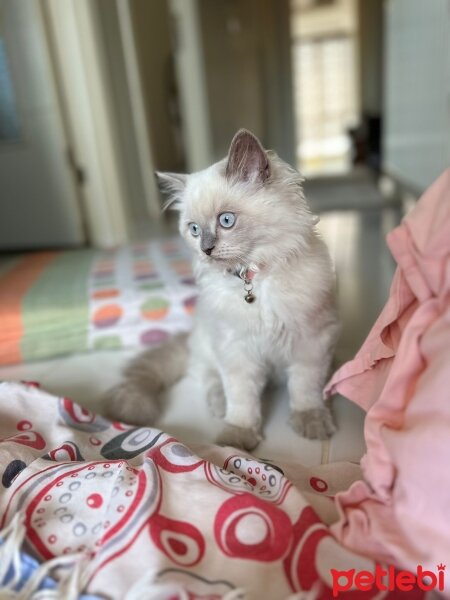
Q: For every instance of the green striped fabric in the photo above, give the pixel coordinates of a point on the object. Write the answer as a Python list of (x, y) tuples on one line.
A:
[(55, 310)]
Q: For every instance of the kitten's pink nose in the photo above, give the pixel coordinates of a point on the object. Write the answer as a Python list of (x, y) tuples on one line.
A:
[(208, 250)]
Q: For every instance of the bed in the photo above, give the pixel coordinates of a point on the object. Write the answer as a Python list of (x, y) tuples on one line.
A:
[(58, 303)]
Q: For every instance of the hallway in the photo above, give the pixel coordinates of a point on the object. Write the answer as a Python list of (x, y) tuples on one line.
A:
[(354, 221)]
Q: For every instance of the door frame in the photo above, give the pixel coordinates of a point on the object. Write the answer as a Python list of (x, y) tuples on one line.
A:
[(81, 71)]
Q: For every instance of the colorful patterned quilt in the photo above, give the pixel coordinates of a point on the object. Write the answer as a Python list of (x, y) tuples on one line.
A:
[(140, 516), (54, 303)]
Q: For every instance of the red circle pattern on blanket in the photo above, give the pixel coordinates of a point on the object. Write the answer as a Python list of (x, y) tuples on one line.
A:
[(142, 501)]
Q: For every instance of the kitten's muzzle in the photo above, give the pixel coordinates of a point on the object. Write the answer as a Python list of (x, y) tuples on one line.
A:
[(207, 242)]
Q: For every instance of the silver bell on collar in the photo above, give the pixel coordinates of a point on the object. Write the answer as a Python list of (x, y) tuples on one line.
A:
[(248, 286)]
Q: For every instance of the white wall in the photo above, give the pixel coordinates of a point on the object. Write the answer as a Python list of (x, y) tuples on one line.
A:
[(190, 68), (417, 90)]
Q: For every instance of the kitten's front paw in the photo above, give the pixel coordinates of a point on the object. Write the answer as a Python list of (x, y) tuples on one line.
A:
[(313, 423), (239, 437)]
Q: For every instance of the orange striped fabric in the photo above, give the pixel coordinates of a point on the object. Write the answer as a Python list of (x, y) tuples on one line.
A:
[(14, 285)]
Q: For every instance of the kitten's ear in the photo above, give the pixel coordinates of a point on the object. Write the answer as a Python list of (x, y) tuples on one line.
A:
[(173, 185), (247, 159)]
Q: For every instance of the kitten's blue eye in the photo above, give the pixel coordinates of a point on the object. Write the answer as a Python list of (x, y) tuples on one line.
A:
[(227, 219), (194, 229)]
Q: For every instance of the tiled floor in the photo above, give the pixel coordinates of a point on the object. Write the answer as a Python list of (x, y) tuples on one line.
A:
[(365, 269)]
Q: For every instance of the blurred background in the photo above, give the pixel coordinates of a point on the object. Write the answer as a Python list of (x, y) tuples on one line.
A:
[(95, 95)]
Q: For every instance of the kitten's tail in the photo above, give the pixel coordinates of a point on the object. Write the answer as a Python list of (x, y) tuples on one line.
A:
[(136, 399)]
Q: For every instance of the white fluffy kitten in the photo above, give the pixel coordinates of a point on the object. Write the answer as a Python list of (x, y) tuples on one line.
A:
[(246, 215)]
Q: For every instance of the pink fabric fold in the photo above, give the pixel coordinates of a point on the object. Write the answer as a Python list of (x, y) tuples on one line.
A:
[(401, 378)]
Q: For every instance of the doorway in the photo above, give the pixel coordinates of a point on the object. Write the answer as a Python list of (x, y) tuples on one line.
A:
[(39, 203), (325, 75)]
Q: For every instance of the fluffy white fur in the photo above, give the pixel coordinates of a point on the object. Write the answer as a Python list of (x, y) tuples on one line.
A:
[(291, 327)]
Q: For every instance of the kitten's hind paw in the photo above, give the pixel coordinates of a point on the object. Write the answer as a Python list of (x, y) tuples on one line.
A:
[(239, 437), (216, 401), (313, 423)]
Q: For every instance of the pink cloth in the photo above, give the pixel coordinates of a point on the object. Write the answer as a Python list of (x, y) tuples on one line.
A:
[(401, 377)]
